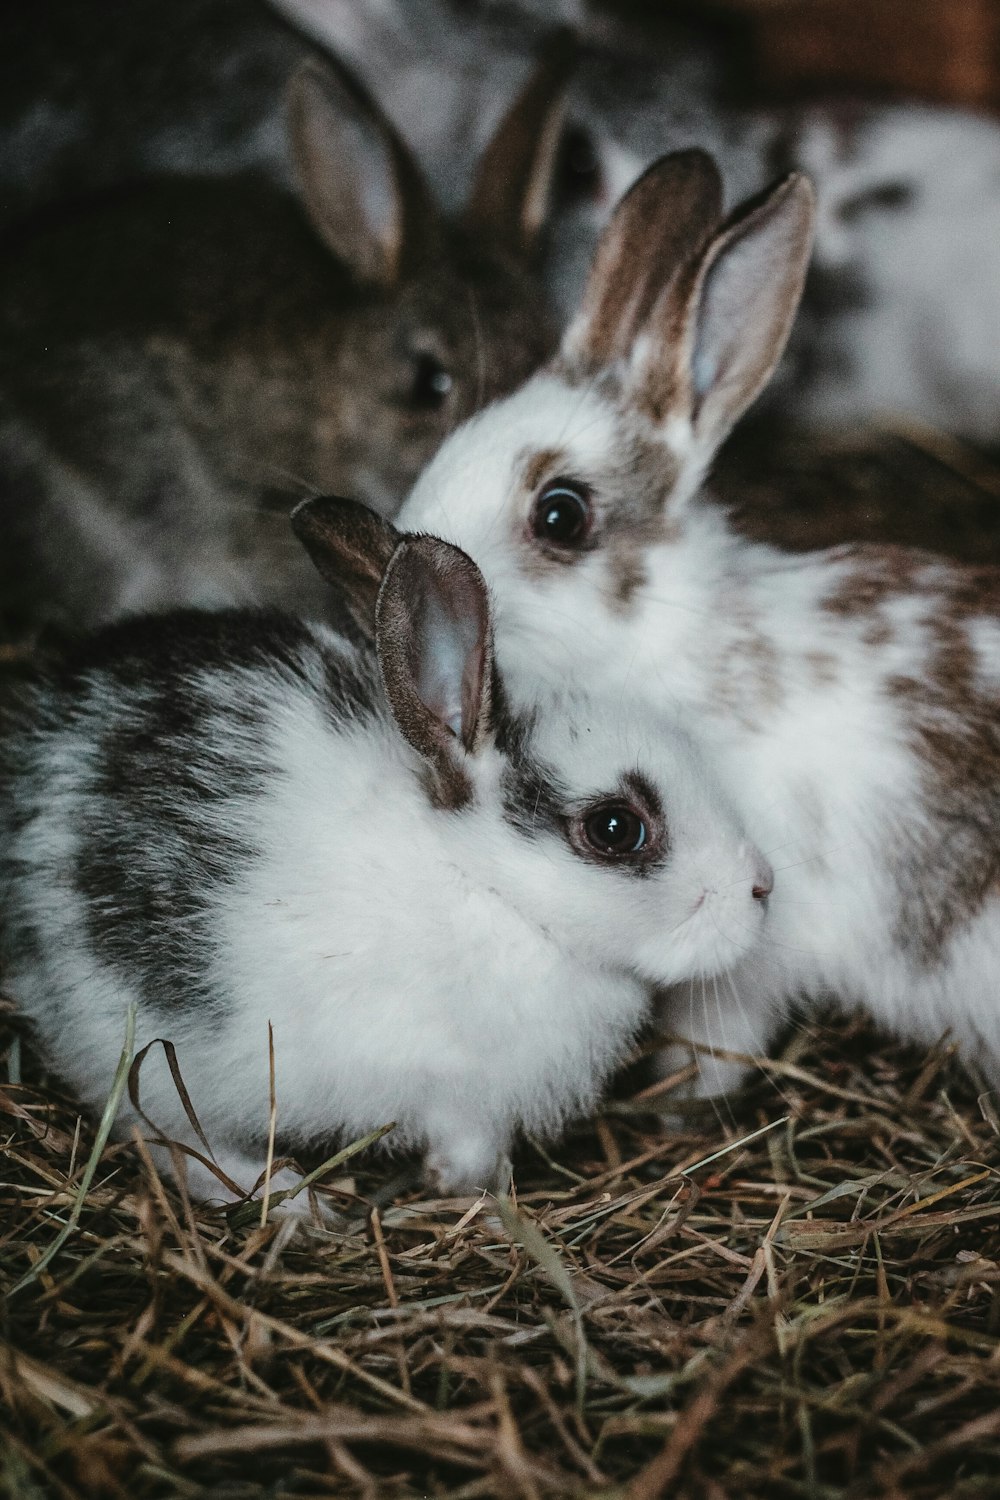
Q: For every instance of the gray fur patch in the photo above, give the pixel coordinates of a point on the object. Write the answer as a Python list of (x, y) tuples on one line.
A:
[(156, 735)]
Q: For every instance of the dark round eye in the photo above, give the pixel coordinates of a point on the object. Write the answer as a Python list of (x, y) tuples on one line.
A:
[(888, 197), (431, 383), (561, 514), (614, 830), (578, 169)]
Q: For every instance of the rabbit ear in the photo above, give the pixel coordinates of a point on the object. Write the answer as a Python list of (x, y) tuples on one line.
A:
[(660, 226), (351, 546), (434, 640), (717, 332), (362, 190), (510, 198)]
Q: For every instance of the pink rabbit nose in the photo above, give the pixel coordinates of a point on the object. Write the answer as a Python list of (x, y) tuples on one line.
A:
[(763, 882)]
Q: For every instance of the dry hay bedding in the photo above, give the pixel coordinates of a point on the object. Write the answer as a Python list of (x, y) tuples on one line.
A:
[(800, 1300)]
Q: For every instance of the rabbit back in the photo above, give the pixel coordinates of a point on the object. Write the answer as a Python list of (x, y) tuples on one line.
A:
[(131, 771)]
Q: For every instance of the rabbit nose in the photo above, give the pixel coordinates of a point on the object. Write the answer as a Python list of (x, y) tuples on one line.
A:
[(763, 883)]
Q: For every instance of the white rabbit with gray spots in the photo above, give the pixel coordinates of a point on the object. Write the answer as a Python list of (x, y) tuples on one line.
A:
[(450, 911), (849, 699)]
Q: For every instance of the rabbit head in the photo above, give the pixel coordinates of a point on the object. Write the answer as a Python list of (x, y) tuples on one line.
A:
[(605, 828), (561, 490), (179, 361), (449, 313)]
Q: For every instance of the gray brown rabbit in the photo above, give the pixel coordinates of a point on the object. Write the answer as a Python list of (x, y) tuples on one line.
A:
[(182, 360)]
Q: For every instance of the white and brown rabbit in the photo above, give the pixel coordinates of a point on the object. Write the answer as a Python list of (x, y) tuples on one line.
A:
[(179, 361), (449, 910), (850, 699)]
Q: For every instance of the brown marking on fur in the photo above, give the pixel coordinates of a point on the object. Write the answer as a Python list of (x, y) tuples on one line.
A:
[(949, 853), (540, 466), (824, 667), (540, 561), (660, 224), (747, 677), (631, 501), (876, 575), (973, 592), (878, 634), (628, 575), (761, 660), (949, 870), (666, 386)]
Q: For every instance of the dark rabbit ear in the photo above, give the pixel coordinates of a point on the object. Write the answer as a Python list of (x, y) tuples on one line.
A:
[(510, 198), (351, 547), (434, 640), (661, 224), (361, 187)]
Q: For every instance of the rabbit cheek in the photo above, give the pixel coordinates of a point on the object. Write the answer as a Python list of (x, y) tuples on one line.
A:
[(712, 927)]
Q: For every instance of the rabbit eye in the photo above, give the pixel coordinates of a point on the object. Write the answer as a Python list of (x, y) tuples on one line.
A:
[(431, 383), (614, 830), (562, 514), (578, 169), (889, 197)]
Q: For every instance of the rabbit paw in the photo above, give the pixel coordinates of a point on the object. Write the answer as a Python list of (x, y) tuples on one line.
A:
[(467, 1165)]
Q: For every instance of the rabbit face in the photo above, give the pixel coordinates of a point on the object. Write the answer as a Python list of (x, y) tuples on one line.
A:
[(641, 863), (556, 526), (417, 364), (604, 831), (565, 491)]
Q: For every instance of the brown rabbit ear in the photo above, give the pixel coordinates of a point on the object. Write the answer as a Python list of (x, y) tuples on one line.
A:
[(717, 333), (510, 198), (361, 187), (351, 547), (661, 225), (433, 635)]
